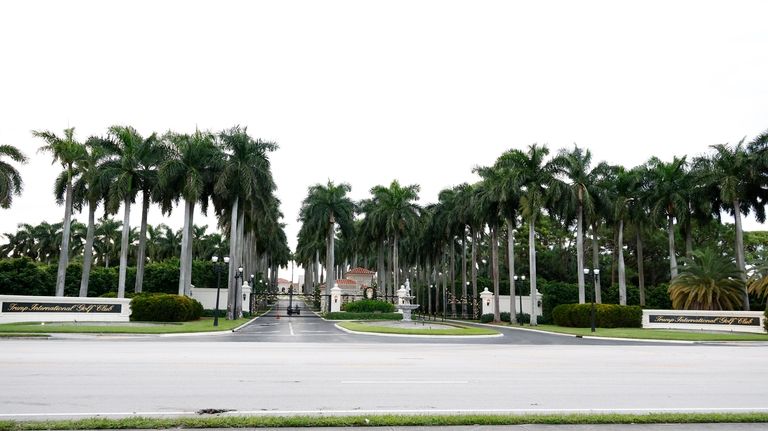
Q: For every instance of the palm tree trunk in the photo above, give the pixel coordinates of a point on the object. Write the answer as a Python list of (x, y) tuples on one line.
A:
[(429, 288), (474, 272), (184, 246), (740, 251), (240, 258), (61, 272), (124, 248), (688, 240), (580, 253), (464, 301), (387, 273), (330, 281), (532, 268), (622, 275), (395, 268), (232, 261), (495, 272), (640, 268), (380, 288), (511, 258), (671, 238), (453, 276), (142, 252), (190, 247), (88, 250)]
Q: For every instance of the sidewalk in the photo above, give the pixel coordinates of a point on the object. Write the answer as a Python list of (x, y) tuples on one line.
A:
[(607, 427)]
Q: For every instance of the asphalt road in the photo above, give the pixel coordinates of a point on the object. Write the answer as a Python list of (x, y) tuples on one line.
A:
[(303, 365)]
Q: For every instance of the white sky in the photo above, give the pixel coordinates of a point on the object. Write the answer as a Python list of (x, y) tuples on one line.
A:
[(365, 92)]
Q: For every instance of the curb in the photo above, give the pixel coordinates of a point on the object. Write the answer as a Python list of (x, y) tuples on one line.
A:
[(592, 337), (349, 331)]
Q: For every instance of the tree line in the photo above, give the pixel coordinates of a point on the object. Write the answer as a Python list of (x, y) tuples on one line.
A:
[(229, 171), (562, 205)]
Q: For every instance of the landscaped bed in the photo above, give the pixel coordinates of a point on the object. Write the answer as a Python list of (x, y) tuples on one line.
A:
[(201, 325), (417, 328), (654, 334)]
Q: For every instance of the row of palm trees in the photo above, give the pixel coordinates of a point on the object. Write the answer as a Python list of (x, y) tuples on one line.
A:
[(517, 191), (229, 169), (41, 242)]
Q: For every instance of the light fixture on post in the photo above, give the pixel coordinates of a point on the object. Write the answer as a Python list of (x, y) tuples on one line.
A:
[(595, 275), (238, 276), (520, 297), (252, 299)]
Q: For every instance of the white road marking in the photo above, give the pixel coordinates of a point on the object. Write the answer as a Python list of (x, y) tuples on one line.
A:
[(290, 326), (406, 382), (404, 411)]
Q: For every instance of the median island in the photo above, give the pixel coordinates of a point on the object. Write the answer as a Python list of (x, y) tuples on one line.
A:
[(416, 328)]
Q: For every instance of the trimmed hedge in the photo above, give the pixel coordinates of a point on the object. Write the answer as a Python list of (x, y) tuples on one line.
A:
[(345, 315), (164, 307), (486, 318), (368, 306), (606, 315)]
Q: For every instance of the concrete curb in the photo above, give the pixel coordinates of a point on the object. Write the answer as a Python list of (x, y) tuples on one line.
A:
[(591, 337), (349, 331)]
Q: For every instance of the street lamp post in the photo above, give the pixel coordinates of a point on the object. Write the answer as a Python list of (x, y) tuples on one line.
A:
[(522, 278), (217, 269), (238, 276), (595, 274)]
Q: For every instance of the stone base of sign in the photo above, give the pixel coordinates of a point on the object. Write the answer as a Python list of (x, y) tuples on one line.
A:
[(15, 308), (732, 321)]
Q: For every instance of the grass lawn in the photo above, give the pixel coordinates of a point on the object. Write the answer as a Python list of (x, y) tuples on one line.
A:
[(456, 330), (203, 325), (654, 334), (380, 421)]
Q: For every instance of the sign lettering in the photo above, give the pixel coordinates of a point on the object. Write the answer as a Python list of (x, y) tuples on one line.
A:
[(704, 320), (54, 307)]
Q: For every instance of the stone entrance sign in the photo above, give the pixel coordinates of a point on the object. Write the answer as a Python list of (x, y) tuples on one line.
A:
[(63, 309)]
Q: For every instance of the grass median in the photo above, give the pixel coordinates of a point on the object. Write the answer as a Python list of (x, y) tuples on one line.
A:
[(380, 421), (203, 325), (454, 330), (654, 334)]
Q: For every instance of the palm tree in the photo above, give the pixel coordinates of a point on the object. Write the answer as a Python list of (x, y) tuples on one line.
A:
[(323, 208), (708, 281), (108, 234), (488, 201), (90, 187), (68, 152), (668, 185), (739, 182), (189, 169), (125, 170), (574, 167), (10, 179), (536, 179), (149, 157), (395, 209), (245, 177)]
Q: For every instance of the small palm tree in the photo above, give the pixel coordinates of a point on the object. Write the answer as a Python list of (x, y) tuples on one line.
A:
[(10, 179), (708, 281), (68, 152), (758, 280)]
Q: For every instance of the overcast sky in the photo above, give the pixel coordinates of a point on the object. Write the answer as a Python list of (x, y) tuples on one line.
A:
[(365, 92)]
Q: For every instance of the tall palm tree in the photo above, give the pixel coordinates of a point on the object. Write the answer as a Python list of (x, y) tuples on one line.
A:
[(536, 179), (125, 172), (708, 281), (189, 169), (10, 179), (739, 183), (395, 208), (489, 201), (668, 185), (149, 158), (323, 208), (245, 176), (67, 151), (574, 167), (90, 187)]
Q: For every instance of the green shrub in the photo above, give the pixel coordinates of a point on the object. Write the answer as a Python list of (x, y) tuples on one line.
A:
[(524, 318), (505, 316), (554, 293), (606, 315), (165, 308), (657, 297), (345, 315), (368, 306), (23, 277), (486, 318)]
